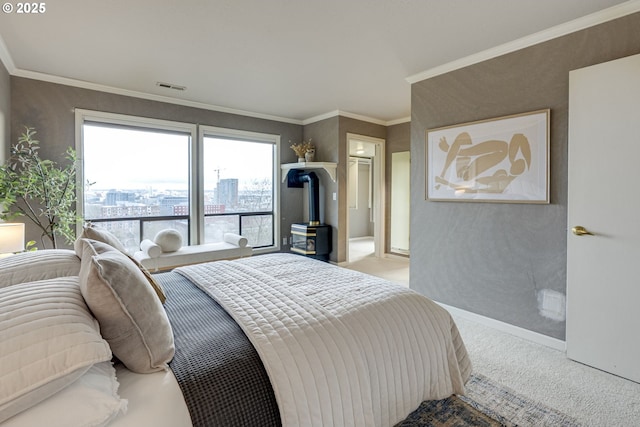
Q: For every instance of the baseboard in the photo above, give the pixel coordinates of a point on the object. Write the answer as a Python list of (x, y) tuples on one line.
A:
[(508, 328)]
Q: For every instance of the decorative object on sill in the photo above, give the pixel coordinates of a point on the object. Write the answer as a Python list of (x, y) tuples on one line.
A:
[(301, 150), (310, 155), (11, 238), (40, 190)]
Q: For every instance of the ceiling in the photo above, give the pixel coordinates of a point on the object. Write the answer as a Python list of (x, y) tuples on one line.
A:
[(290, 59)]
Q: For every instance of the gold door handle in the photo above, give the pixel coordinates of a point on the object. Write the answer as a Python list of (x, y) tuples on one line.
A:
[(579, 230)]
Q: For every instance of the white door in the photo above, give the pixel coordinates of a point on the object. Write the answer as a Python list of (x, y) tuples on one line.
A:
[(603, 268)]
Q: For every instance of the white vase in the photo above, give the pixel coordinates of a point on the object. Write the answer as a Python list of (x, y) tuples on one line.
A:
[(310, 155)]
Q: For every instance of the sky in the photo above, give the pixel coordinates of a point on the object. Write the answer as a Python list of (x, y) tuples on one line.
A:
[(127, 159)]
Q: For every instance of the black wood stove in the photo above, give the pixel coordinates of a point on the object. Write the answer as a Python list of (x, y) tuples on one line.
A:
[(311, 239)]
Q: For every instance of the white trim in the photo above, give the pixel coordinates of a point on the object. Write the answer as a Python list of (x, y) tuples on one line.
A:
[(398, 121), (143, 95), (517, 331), (336, 113), (260, 137), (379, 188), (5, 57), (82, 115), (587, 21)]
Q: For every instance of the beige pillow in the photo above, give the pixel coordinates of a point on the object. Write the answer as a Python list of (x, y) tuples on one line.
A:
[(104, 236), (93, 232), (48, 340), (38, 265), (131, 316)]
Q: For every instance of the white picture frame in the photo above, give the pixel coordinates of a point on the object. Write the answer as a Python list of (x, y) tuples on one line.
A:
[(505, 159)]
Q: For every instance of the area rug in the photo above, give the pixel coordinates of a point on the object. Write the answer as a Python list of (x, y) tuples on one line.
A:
[(486, 404)]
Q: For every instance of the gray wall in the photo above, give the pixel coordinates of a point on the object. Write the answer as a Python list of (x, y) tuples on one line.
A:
[(324, 135), (5, 112), (489, 258), (49, 108), (330, 138)]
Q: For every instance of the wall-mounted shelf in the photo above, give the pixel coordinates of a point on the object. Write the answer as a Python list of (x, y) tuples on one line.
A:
[(328, 166)]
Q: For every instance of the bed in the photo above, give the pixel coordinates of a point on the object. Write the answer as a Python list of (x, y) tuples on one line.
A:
[(276, 339)]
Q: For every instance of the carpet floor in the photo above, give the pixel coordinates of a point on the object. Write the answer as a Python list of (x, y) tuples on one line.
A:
[(486, 404)]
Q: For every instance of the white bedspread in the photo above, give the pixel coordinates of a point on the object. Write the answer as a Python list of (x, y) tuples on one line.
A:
[(340, 347)]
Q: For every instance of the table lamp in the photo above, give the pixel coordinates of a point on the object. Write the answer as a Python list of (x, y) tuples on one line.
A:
[(11, 238)]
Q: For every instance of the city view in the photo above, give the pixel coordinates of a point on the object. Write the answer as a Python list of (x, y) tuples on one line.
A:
[(133, 215), (149, 189)]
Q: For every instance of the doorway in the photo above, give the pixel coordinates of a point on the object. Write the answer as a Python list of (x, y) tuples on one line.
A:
[(365, 197)]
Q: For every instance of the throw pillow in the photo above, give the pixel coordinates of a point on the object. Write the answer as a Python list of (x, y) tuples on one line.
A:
[(131, 316), (38, 265), (49, 339), (169, 240)]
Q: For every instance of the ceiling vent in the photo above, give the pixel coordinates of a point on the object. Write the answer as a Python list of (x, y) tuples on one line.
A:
[(171, 86)]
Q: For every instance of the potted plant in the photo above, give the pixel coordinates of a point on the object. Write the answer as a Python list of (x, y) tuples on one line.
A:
[(302, 148), (39, 190)]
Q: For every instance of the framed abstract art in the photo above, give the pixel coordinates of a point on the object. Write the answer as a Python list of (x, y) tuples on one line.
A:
[(504, 159)]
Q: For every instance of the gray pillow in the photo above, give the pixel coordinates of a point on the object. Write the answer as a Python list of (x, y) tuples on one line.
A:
[(38, 265), (130, 314)]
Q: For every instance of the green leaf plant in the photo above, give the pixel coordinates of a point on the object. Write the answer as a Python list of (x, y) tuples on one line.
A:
[(40, 190)]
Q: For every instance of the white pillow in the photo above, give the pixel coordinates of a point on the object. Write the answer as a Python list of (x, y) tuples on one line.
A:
[(49, 339), (130, 313), (38, 265), (150, 248), (169, 240), (235, 239), (91, 401)]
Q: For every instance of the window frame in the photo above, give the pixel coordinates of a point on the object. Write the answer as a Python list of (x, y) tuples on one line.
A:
[(196, 163), (225, 133)]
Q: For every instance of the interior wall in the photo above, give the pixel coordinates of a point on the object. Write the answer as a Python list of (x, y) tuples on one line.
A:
[(494, 259), (324, 136), (5, 112), (350, 126), (330, 138), (49, 108)]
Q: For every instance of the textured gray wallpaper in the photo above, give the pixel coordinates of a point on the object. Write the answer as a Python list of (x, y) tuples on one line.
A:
[(502, 260), (330, 138), (5, 112)]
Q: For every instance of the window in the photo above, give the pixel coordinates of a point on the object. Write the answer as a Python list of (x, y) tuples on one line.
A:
[(238, 189), (143, 175)]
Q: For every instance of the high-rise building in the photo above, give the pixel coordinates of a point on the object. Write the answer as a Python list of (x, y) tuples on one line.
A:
[(228, 192)]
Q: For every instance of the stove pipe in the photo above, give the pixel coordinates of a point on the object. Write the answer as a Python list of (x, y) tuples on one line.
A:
[(296, 179)]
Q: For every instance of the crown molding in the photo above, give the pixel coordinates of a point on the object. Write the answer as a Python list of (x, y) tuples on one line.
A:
[(5, 57), (336, 113), (160, 98), (399, 121), (569, 27), (148, 96)]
